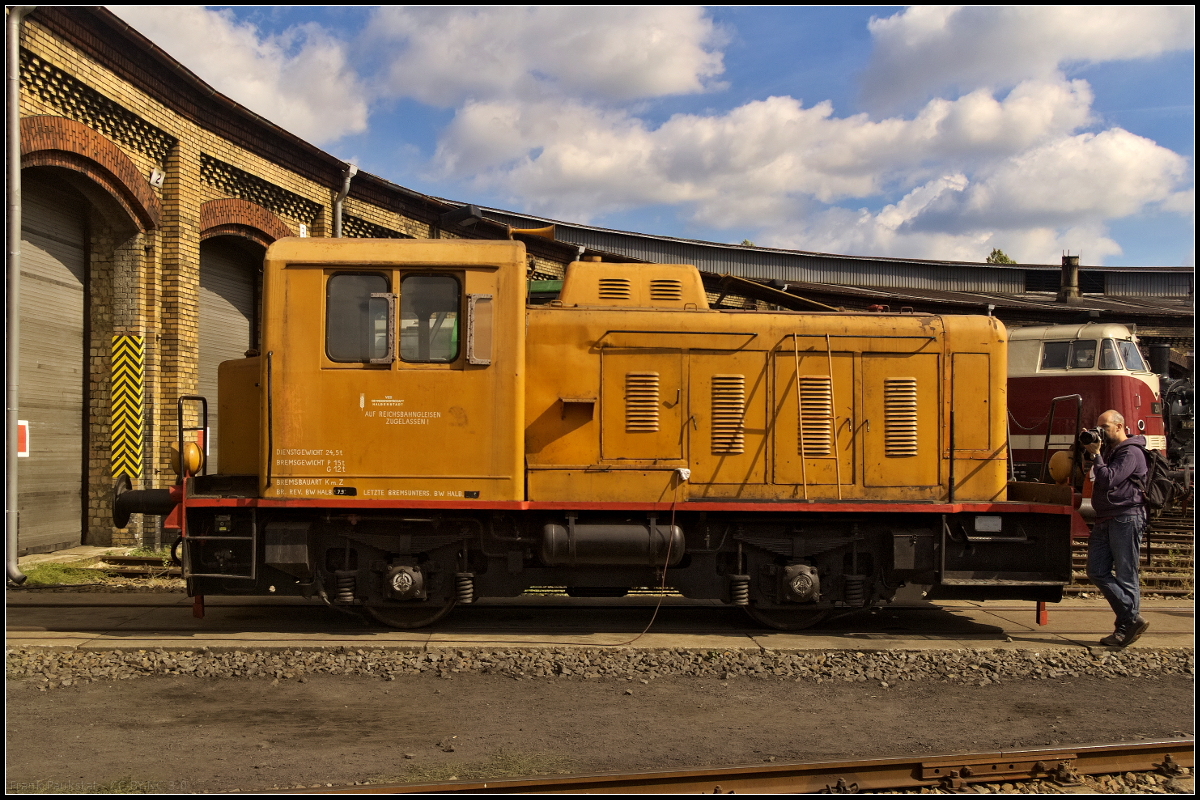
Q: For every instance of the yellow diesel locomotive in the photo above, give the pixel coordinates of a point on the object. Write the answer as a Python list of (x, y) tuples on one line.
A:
[(414, 435)]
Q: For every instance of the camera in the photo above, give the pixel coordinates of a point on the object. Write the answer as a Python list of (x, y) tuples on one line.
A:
[(1091, 436)]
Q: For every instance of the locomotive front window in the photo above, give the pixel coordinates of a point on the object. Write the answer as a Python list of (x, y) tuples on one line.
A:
[(1133, 357), (1108, 355), (429, 329), (356, 324)]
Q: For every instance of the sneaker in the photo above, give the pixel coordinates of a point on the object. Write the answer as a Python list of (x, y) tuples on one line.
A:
[(1135, 631), (1127, 634)]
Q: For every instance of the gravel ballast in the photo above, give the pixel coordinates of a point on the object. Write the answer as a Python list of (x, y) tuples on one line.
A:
[(54, 668), (355, 715)]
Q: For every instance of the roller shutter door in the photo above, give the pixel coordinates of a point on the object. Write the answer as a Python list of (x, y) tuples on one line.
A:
[(53, 255), (228, 278)]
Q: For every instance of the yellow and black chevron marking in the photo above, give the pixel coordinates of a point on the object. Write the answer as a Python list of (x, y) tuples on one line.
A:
[(128, 369)]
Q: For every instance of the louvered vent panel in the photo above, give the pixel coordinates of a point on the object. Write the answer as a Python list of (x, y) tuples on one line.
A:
[(728, 414), (900, 417), (666, 290), (641, 402), (614, 289), (816, 415)]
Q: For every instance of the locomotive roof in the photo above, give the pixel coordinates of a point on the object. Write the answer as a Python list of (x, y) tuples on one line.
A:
[(1089, 330)]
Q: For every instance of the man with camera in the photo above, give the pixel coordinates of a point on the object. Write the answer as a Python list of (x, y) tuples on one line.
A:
[(1118, 470)]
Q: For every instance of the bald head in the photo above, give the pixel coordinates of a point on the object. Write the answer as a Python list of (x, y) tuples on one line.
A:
[(1112, 423)]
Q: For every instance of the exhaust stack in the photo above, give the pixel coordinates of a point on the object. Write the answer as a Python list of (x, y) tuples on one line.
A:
[(1068, 287)]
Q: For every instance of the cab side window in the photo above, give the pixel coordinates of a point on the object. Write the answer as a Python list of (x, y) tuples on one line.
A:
[(429, 318), (1055, 355), (356, 324)]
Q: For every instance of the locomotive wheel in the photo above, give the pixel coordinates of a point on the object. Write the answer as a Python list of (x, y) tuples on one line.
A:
[(785, 619), (411, 615)]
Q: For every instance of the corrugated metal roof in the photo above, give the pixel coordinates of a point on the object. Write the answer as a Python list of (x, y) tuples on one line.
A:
[(1161, 318), (763, 263)]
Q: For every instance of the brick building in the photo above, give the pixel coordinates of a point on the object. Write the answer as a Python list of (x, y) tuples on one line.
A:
[(147, 201)]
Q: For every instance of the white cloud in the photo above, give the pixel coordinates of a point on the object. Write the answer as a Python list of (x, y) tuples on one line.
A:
[(891, 232), (975, 170), (299, 80), (1106, 175), (925, 50), (450, 55), (770, 147), (1032, 205), (1183, 203)]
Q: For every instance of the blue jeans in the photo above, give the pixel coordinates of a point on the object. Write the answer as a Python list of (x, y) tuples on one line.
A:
[(1113, 552)]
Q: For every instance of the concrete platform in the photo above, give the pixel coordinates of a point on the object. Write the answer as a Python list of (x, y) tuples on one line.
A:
[(96, 620)]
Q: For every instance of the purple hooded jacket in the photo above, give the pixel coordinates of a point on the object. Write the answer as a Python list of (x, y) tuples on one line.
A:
[(1113, 493)]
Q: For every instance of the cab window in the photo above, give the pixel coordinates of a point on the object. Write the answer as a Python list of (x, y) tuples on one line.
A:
[(1055, 355), (1083, 354), (1133, 357), (356, 324), (429, 318), (1079, 354), (1108, 356)]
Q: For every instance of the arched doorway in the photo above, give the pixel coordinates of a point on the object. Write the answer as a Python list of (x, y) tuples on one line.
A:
[(52, 362), (230, 288), (88, 223)]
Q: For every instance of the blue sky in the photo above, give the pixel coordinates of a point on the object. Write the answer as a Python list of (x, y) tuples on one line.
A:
[(929, 132)]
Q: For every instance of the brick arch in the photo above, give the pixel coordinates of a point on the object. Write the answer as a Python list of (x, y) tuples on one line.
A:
[(48, 141), (231, 216)]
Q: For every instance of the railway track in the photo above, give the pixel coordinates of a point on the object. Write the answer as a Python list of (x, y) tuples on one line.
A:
[(137, 567), (1060, 765)]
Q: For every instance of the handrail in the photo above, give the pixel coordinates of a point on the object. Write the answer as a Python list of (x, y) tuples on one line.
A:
[(691, 340), (800, 419), (837, 458), (203, 427), (270, 427), (1050, 427)]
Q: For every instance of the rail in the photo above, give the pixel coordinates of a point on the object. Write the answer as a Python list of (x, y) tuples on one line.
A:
[(1061, 765)]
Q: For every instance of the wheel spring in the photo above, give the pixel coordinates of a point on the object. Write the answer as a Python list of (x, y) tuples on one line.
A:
[(856, 589), (739, 589), (464, 587), (346, 580)]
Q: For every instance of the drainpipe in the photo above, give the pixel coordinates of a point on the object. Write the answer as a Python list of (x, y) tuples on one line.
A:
[(1068, 285), (12, 308), (351, 171)]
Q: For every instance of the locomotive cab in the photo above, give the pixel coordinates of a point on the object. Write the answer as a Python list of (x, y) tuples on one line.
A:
[(393, 379)]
